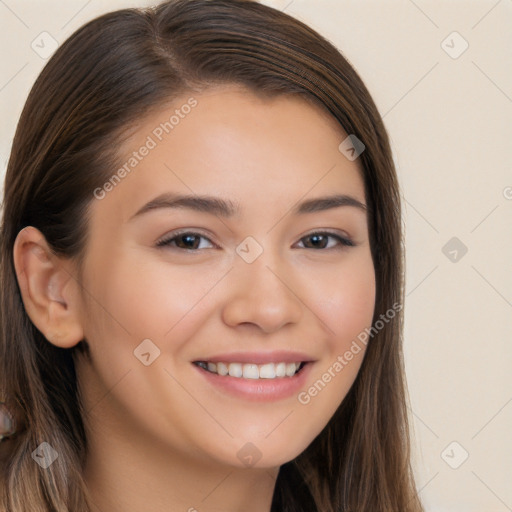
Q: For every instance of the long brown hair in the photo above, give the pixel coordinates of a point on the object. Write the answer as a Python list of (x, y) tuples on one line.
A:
[(103, 79)]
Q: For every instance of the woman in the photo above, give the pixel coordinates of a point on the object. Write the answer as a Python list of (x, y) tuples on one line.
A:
[(201, 269)]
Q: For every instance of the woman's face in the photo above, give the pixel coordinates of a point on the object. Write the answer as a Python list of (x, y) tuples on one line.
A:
[(218, 244)]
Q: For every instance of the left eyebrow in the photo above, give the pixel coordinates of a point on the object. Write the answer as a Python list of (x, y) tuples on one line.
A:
[(326, 203), (226, 208)]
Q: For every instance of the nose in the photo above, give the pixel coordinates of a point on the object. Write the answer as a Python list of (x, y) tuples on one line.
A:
[(262, 295)]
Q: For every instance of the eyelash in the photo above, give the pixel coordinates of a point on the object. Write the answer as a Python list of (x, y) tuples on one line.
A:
[(343, 241)]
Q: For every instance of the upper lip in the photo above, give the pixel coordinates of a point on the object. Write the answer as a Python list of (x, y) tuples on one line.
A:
[(278, 356)]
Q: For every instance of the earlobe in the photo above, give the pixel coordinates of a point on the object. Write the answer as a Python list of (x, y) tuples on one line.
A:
[(48, 289)]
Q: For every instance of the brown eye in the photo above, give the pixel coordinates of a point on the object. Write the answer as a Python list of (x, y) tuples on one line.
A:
[(321, 241), (185, 240)]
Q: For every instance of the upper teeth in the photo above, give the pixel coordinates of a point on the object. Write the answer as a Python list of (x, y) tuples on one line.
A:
[(252, 371)]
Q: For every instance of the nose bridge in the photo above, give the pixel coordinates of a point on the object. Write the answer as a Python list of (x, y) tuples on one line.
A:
[(261, 278), (260, 293)]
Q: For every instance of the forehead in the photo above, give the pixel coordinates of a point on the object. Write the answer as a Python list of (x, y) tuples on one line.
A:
[(229, 142)]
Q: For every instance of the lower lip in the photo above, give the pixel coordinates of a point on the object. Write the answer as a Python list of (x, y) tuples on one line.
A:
[(258, 390)]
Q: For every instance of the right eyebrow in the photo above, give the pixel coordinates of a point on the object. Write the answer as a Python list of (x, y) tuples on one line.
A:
[(208, 204)]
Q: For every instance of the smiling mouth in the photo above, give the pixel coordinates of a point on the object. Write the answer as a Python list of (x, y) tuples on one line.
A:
[(252, 371)]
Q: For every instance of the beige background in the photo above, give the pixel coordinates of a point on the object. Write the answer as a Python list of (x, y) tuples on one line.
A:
[(449, 120)]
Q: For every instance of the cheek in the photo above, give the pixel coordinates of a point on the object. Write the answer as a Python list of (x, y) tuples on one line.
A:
[(345, 300), (157, 302), (152, 300), (345, 303)]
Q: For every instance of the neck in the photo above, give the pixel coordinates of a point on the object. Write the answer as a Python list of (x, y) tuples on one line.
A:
[(126, 474)]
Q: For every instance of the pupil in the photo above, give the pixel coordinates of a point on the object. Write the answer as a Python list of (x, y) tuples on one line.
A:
[(189, 241), (318, 240)]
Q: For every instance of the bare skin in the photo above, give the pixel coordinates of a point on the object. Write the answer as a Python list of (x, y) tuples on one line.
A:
[(162, 437)]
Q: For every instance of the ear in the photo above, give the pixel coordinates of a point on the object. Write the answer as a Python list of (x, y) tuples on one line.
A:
[(49, 290)]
